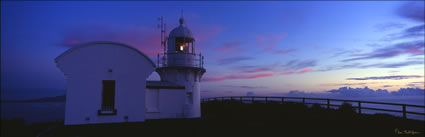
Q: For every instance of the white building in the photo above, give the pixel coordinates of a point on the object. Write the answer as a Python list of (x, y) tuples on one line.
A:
[(106, 81)]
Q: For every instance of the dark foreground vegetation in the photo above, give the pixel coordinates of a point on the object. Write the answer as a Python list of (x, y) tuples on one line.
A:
[(232, 118)]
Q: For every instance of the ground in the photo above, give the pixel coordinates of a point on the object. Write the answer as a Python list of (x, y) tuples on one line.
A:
[(231, 118)]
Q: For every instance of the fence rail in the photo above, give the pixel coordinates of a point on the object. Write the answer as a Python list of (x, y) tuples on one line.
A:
[(328, 103), (195, 60)]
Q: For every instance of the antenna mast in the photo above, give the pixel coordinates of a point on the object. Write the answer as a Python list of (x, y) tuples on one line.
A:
[(163, 34)]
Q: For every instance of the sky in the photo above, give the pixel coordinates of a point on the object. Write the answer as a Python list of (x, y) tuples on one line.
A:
[(256, 47)]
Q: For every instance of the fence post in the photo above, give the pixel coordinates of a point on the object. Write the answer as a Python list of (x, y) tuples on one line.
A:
[(329, 103), (252, 99), (266, 100), (404, 111), (303, 100), (240, 99), (283, 100), (360, 107)]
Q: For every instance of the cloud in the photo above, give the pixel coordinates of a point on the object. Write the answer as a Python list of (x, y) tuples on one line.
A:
[(412, 32), (345, 84), (395, 65), (348, 92), (389, 26), (259, 69), (411, 85), (299, 64), (245, 87), (237, 76), (357, 92), (416, 84), (345, 66), (395, 77), (393, 71), (269, 43), (406, 48), (230, 47), (284, 52), (233, 60), (252, 75), (376, 65), (344, 52), (415, 31), (386, 86), (412, 10), (305, 70), (254, 72)]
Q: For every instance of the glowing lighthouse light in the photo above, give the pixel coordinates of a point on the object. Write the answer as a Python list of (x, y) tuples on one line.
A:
[(181, 47)]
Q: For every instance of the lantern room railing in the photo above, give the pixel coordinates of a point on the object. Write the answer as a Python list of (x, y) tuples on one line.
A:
[(197, 61)]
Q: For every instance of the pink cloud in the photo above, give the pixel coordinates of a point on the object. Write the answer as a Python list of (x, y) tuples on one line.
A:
[(305, 70), (255, 70), (253, 74), (259, 75), (269, 43), (287, 73), (237, 76), (233, 47)]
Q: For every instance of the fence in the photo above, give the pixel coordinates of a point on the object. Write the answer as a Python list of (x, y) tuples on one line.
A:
[(328, 104), (184, 59)]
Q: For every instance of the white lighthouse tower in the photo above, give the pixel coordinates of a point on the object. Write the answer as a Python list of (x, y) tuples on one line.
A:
[(180, 64)]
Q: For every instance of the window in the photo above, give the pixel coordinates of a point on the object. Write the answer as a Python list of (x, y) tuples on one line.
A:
[(108, 94), (108, 98), (184, 44), (180, 44)]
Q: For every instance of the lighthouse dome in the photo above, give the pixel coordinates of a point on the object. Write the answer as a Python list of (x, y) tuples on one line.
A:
[(181, 31)]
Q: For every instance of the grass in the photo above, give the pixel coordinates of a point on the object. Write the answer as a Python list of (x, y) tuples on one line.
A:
[(232, 118)]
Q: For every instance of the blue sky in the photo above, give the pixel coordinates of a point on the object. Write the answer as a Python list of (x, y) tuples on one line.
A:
[(262, 47)]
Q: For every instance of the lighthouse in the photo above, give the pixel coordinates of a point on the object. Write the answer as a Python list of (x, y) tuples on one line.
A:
[(107, 81), (180, 64)]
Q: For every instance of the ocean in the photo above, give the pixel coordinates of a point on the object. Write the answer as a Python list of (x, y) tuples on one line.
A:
[(34, 112)]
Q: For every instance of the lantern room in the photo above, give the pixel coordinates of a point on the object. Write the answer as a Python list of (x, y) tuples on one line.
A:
[(181, 39)]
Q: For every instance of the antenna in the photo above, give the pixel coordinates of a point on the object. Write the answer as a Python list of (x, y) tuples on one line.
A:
[(165, 37), (163, 34)]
